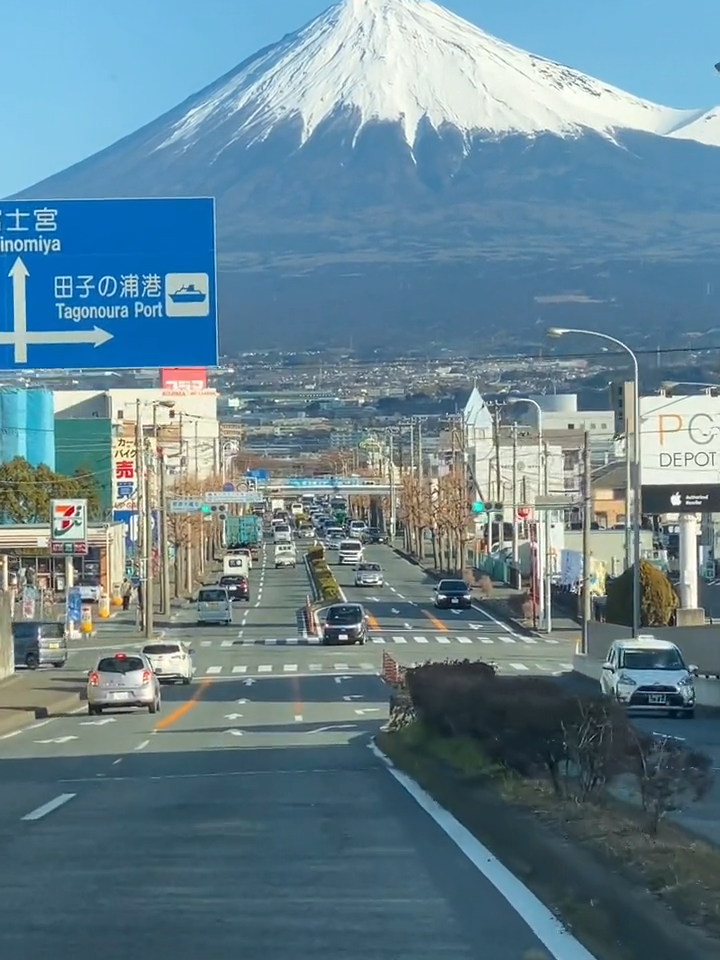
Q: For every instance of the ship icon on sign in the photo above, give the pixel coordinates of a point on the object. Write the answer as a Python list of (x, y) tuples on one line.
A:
[(187, 295)]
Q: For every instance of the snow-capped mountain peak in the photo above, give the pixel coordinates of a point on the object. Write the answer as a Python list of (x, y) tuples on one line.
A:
[(411, 62)]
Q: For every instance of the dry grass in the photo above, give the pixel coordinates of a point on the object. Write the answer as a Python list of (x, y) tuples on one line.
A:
[(681, 870)]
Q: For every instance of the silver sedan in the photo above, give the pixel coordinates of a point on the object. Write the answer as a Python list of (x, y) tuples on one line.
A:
[(121, 681)]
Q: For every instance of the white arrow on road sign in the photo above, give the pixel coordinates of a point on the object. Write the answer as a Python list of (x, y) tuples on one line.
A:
[(353, 696), (361, 713), (334, 727), (57, 740), (98, 723), (19, 274), (233, 716), (249, 682), (235, 733), (340, 679)]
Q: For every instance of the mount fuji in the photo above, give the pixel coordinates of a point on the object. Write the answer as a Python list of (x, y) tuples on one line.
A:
[(389, 173)]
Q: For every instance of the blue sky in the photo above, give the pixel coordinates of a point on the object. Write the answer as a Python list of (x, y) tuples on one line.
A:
[(80, 74)]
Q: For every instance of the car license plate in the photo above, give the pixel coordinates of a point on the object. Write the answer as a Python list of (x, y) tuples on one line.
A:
[(454, 600), (119, 695), (53, 646), (158, 669), (657, 698), (343, 636)]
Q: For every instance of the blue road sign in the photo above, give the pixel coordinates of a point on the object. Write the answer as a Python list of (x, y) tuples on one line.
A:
[(258, 474), (228, 487), (98, 284)]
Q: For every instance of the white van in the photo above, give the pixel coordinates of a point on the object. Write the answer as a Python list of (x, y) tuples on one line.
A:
[(282, 533), (214, 605), (350, 551), (236, 565)]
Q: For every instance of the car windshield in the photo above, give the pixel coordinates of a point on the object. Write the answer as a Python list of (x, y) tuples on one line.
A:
[(120, 665), (346, 614), (373, 530), (159, 649), (212, 596), (232, 581), (659, 659), (351, 545), (452, 586), (371, 567)]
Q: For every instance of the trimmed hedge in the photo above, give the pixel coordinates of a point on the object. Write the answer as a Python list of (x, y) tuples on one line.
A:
[(323, 576)]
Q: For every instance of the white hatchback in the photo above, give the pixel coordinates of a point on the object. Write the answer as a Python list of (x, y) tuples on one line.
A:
[(171, 662), (648, 674)]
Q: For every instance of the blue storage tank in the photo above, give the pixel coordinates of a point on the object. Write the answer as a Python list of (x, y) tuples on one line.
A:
[(40, 427), (13, 419)]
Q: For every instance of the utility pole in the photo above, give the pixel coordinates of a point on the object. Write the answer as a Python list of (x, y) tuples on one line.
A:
[(163, 552), (547, 521), (498, 483), (515, 540), (587, 522), (149, 598), (393, 492), (139, 510)]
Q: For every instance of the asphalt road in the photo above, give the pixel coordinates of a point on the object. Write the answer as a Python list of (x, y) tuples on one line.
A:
[(249, 814), (405, 622)]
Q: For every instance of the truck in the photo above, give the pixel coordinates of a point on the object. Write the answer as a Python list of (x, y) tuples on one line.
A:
[(244, 531)]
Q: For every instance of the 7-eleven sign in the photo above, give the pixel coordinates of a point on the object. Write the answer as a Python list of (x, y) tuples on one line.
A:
[(68, 521)]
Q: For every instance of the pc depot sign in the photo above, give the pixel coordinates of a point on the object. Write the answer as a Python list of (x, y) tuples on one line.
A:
[(680, 441), (696, 498), (68, 527)]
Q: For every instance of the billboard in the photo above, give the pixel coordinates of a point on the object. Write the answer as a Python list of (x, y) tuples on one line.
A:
[(689, 498), (183, 381), (124, 488), (680, 440)]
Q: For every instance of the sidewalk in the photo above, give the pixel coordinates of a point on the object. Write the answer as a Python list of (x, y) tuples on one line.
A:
[(31, 695)]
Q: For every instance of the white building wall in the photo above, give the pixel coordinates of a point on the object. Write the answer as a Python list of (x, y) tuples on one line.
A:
[(192, 416), (522, 485)]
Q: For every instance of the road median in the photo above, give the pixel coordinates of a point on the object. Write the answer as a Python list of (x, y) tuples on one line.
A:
[(325, 588), (571, 798), (31, 695)]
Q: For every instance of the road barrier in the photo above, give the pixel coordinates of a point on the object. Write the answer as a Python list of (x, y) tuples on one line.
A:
[(310, 619), (392, 671)]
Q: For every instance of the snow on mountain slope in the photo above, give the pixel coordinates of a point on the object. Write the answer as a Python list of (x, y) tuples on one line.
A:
[(705, 128), (409, 61)]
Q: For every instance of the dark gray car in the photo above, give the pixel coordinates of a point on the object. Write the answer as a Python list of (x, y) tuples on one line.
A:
[(344, 623), (39, 643)]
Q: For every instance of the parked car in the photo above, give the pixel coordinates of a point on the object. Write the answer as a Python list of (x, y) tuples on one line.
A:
[(39, 643)]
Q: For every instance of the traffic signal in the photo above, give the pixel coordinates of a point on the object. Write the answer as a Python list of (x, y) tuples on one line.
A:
[(205, 508), (478, 507)]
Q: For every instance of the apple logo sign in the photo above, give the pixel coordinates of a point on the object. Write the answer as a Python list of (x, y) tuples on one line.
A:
[(676, 499)]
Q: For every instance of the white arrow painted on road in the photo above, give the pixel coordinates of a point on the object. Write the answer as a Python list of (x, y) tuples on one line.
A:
[(57, 740), (243, 701), (373, 599), (408, 626), (19, 274), (249, 682), (334, 727), (235, 733), (456, 612), (361, 713), (395, 610), (233, 716), (98, 723), (353, 696), (340, 679)]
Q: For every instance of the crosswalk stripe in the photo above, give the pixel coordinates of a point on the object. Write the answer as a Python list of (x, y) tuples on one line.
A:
[(342, 667), (265, 668), (443, 640), (550, 640), (227, 643), (519, 666), (463, 640), (291, 640), (399, 640), (485, 640), (529, 640), (206, 643), (421, 639), (290, 667), (504, 639), (213, 670), (378, 639), (316, 667), (366, 666), (240, 669)]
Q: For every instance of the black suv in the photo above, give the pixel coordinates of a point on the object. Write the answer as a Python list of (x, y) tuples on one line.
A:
[(237, 587), (374, 535), (344, 623), (453, 593)]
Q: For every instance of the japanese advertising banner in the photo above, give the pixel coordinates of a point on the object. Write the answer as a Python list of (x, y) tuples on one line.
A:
[(124, 474), (184, 381)]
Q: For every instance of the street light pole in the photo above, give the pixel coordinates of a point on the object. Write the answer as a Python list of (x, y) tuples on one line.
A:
[(636, 461)]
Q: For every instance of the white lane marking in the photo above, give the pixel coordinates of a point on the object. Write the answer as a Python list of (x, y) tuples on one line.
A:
[(316, 667), (408, 626), (463, 639), (213, 670), (265, 668), (378, 639), (341, 666), (257, 603), (528, 640), (47, 808), (227, 643), (116, 762), (519, 666), (566, 666), (399, 640), (366, 666), (421, 640), (240, 669), (141, 746), (205, 643), (298, 718), (442, 639), (291, 640), (550, 640), (290, 667), (543, 923), (507, 639), (400, 596), (485, 640)]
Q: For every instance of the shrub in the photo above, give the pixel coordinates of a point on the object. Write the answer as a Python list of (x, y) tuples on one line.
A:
[(658, 600), (325, 581), (521, 605), (316, 553), (485, 585)]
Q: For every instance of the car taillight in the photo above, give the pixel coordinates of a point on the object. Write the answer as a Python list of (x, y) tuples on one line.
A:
[(93, 679), (146, 676)]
